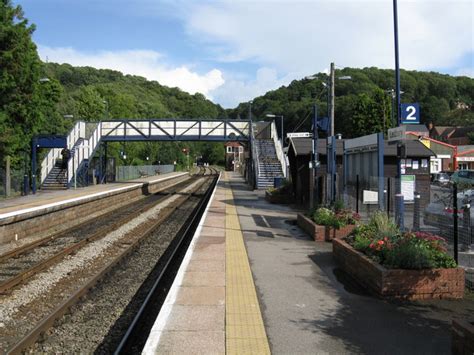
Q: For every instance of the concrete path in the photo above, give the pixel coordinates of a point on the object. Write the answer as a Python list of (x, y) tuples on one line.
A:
[(310, 307)]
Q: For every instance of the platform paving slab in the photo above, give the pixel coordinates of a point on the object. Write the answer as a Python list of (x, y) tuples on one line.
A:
[(310, 307)]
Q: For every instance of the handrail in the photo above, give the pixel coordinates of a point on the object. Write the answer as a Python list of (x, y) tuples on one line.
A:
[(83, 151), (49, 161), (278, 148)]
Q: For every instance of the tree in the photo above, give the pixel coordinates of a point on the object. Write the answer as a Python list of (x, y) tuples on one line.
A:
[(90, 105), (20, 70), (371, 113)]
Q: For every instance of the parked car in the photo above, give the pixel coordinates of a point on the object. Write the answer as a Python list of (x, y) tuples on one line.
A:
[(441, 179), (463, 177), (440, 213)]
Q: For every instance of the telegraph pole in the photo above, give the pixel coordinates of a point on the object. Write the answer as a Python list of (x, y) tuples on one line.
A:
[(331, 104)]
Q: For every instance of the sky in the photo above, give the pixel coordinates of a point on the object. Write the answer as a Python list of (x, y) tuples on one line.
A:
[(232, 51)]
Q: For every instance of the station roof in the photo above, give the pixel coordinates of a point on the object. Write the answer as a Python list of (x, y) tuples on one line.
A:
[(303, 146)]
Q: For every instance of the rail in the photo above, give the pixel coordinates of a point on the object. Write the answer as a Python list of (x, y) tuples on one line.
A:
[(185, 235), (142, 232)]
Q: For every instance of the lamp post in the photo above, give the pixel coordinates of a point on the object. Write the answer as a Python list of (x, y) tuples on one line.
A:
[(281, 124), (332, 84), (399, 196)]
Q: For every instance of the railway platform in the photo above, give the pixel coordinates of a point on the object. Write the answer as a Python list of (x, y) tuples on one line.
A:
[(45, 198), (253, 282), (22, 217)]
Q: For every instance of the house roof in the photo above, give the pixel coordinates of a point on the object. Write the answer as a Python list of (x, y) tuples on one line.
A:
[(414, 148), (465, 148), (440, 129), (460, 132)]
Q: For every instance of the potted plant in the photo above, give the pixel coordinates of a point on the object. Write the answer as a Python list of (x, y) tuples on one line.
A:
[(281, 195), (395, 264)]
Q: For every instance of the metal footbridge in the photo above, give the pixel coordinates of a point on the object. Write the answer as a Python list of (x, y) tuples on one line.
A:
[(86, 137)]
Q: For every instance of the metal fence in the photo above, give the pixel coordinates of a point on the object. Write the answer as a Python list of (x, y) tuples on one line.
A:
[(16, 183), (445, 210), (135, 172)]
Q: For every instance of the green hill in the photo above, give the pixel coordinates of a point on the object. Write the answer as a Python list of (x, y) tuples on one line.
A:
[(363, 104)]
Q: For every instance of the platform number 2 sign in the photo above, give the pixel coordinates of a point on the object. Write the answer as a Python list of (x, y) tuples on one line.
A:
[(410, 113)]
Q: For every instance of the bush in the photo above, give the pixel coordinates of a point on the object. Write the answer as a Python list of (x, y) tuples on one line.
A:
[(326, 217), (323, 216), (382, 241)]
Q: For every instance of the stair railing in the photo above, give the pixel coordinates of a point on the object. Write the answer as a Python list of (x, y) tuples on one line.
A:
[(279, 149), (83, 151), (49, 161)]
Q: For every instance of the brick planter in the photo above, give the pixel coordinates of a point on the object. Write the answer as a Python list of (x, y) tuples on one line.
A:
[(322, 233), (398, 283), (462, 337)]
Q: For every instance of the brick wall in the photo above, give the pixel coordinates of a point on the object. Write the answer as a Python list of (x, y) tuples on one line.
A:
[(405, 284)]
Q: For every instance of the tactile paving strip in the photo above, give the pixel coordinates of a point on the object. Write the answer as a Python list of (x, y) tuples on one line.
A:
[(245, 332)]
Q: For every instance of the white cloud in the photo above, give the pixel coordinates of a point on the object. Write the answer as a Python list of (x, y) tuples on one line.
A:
[(307, 35), (469, 72), (146, 63), (237, 89)]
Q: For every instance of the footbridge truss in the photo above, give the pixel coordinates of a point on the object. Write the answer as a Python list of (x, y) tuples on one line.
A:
[(86, 137), (175, 130)]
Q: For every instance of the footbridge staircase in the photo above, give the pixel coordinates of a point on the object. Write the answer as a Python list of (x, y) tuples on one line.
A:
[(269, 159)]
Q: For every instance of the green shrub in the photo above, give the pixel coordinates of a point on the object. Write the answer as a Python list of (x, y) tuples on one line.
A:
[(338, 205), (323, 216), (381, 240), (361, 243), (409, 255), (383, 225)]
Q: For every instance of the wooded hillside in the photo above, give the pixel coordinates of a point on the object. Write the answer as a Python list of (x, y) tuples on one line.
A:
[(363, 104)]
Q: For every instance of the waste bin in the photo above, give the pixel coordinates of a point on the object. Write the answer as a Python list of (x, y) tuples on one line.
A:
[(278, 182)]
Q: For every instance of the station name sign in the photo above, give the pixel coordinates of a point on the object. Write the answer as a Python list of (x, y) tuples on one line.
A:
[(397, 133), (299, 135)]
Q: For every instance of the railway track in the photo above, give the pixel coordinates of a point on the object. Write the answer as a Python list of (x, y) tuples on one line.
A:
[(22, 263), (127, 247)]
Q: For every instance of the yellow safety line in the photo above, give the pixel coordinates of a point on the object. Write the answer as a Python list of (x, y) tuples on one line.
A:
[(245, 332)]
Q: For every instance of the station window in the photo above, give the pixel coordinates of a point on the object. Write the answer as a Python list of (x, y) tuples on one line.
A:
[(241, 149), (229, 149)]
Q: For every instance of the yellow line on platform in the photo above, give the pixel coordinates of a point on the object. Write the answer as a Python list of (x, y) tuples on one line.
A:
[(245, 332)]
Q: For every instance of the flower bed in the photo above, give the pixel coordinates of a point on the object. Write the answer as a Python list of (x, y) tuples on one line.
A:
[(399, 265), (398, 283), (320, 232), (326, 224)]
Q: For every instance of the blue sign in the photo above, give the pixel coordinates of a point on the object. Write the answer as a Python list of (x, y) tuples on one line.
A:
[(410, 113), (323, 123)]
